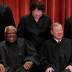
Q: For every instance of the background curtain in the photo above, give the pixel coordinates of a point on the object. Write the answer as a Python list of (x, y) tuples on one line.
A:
[(58, 10), (19, 8)]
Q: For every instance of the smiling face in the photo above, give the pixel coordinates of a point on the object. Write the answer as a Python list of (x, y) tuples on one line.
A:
[(10, 35), (57, 31)]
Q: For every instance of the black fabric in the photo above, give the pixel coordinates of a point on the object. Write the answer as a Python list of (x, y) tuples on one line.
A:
[(34, 31), (57, 55), (6, 18), (13, 56)]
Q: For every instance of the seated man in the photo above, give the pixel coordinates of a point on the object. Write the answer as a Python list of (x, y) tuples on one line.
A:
[(17, 54), (56, 52)]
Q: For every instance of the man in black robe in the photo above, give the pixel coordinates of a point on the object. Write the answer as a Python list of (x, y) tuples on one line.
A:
[(56, 53), (17, 54)]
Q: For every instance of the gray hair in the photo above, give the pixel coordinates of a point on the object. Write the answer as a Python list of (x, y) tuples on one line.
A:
[(10, 27)]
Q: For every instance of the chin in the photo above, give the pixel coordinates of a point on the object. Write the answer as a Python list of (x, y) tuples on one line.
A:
[(60, 38), (12, 41)]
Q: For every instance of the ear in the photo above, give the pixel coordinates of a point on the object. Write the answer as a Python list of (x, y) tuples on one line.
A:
[(51, 32)]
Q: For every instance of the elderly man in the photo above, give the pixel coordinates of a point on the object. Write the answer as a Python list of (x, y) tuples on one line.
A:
[(56, 53), (17, 54)]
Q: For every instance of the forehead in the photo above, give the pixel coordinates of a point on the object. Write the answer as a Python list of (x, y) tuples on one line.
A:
[(37, 10), (56, 26), (10, 30)]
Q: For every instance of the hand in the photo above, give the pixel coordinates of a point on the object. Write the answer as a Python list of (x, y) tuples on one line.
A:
[(69, 67), (50, 69), (2, 68), (28, 65)]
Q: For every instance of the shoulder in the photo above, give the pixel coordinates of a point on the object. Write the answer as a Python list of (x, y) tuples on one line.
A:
[(67, 40), (46, 19), (25, 17), (21, 41), (50, 40), (47, 42), (2, 43), (46, 16)]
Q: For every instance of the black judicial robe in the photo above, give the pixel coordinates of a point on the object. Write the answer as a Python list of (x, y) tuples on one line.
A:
[(14, 55), (34, 31), (57, 55)]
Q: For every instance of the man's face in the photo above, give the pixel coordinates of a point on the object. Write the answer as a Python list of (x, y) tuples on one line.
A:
[(57, 31), (10, 36), (37, 13)]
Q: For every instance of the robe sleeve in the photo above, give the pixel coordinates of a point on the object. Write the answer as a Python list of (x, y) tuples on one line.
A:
[(31, 53), (44, 54)]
